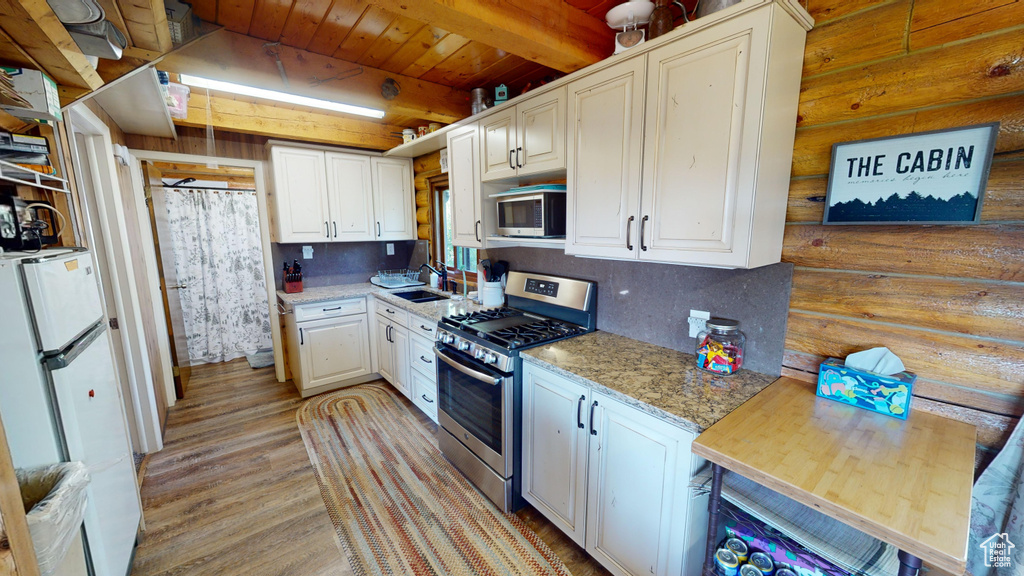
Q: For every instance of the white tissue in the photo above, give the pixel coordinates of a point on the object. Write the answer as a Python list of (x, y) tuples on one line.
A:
[(878, 360)]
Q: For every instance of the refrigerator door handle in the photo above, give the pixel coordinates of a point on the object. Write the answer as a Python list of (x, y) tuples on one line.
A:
[(66, 356)]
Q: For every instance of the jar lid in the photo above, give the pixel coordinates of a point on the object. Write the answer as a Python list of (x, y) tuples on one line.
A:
[(723, 324)]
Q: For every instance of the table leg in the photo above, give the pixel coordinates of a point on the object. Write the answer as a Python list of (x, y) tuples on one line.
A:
[(909, 564), (714, 504)]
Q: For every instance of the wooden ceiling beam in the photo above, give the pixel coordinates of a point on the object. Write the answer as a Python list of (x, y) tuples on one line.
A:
[(250, 117), (147, 24), (169, 168), (241, 59), (549, 32), (35, 28)]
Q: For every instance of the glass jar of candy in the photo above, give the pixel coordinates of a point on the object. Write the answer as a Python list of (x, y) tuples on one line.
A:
[(720, 347)]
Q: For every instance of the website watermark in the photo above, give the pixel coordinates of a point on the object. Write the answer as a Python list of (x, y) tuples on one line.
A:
[(997, 550)]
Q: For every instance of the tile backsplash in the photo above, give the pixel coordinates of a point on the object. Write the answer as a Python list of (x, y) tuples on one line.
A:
[(341, 263), (651, 302)]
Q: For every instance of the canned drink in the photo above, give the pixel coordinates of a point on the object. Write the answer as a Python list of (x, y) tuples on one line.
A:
[(784, 572), (749, 570), (739, 548), (726, 563), (762, 562)]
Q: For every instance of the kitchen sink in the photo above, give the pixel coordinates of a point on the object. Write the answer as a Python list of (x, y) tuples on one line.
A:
[(420, 296)]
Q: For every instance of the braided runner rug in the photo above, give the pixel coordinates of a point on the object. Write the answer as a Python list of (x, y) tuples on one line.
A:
[(398, 506)]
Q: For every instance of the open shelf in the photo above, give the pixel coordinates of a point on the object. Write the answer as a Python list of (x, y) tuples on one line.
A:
[(505, 241), (843, 545), (14, 173)]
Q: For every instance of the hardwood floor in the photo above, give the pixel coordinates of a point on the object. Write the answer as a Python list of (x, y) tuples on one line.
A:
[(233, 491)]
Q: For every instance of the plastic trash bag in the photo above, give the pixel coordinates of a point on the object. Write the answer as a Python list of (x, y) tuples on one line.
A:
[(54, 498)]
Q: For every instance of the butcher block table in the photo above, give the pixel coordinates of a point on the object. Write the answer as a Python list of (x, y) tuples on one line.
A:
[(905, 482)]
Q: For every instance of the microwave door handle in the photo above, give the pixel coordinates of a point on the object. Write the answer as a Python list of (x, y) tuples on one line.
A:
[(490, 379)]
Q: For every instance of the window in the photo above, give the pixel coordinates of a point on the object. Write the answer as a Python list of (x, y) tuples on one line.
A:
[(458, 259)]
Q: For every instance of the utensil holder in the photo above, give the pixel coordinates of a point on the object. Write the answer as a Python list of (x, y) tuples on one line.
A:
[(491, 294)]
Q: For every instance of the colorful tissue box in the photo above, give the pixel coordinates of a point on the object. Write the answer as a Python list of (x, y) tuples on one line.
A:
[(889, 395)]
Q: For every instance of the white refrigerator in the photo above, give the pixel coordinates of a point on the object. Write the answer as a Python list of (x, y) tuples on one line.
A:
[(59, 394)]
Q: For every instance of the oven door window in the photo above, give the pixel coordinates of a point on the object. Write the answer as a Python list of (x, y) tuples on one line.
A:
[(475, 405)]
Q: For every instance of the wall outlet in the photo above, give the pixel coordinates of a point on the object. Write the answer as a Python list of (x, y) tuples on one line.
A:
[(697, 321), (391, 249), (307, 252)]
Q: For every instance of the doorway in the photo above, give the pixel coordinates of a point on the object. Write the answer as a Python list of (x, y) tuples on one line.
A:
[(206, 226)]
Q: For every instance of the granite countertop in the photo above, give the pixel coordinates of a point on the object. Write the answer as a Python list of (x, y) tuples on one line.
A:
[(660, 381), (429, 310)]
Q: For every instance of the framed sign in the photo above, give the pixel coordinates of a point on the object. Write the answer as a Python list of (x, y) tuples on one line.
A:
[(936, 177)]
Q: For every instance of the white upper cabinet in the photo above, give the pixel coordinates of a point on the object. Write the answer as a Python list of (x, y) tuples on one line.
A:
[(393, 199), (526, 139), (713, 115), (326, 196), (603, 161), (464, 187), (351, 197), (300, 195)]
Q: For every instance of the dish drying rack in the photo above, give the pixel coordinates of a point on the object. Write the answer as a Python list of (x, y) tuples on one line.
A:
[(398, 278)]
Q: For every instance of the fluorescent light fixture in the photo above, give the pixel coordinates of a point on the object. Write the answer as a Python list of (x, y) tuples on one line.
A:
[(279, 96)]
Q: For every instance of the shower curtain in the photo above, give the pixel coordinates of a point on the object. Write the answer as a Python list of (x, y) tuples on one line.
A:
[(215, 237)]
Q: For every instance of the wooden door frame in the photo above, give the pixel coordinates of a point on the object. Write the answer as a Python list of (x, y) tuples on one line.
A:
[(109, 224), (264, 215)]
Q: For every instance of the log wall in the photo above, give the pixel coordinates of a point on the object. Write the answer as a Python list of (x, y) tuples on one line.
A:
[(949, 300)]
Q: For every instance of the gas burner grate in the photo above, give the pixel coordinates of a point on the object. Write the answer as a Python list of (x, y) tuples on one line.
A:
[(482, 316), (535, 333)]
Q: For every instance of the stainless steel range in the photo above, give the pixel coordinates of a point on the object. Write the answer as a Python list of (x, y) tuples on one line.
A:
[(479, 375)]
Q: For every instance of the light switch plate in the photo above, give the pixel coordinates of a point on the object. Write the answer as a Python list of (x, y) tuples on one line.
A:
[(391, 249), (307, 252)]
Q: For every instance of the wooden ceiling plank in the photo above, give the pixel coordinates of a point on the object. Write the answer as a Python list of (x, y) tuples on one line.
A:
[(396, 36), (438, 53), (12, 55), (371, 25), (147, 24), (303, 20), (469, 61), (35, 28), (235, 15), (237, 115), (340, 20), (554, 34), (416, 47), (238, 58), (268, 19), (113, 13), (502, 72), (167, 167)]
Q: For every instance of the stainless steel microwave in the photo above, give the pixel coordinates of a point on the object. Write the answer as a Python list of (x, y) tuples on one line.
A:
[(532, 211)]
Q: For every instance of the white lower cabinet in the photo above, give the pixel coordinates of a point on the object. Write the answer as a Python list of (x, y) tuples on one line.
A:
[(422, 365), (612, 477), (329, 345), (393, 351)]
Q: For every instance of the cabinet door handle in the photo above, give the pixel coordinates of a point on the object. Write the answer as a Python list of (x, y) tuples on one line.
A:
[(518, 150), (425, 359), (643, 224), (378, 229), (300, 337), (424, 396), (593, 432), (629, 228), (327, 229), (335, 229), (387, 333), (510, 164), (476, 230), (579, 412)]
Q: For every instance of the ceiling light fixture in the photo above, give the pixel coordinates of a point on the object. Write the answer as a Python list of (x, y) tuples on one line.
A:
[(279, 96)]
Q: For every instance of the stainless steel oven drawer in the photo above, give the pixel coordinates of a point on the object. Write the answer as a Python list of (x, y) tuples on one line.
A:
[(496, 488)]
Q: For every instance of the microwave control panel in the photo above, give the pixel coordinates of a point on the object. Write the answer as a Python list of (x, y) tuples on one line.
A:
[(542, 287)]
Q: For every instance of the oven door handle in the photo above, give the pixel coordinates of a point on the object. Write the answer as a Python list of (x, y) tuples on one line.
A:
[(482, 376)]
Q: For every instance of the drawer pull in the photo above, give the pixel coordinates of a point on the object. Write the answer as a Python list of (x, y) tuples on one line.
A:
[(389, 310), (424, 396), (425, 360), (427, 328), (332, 309)]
